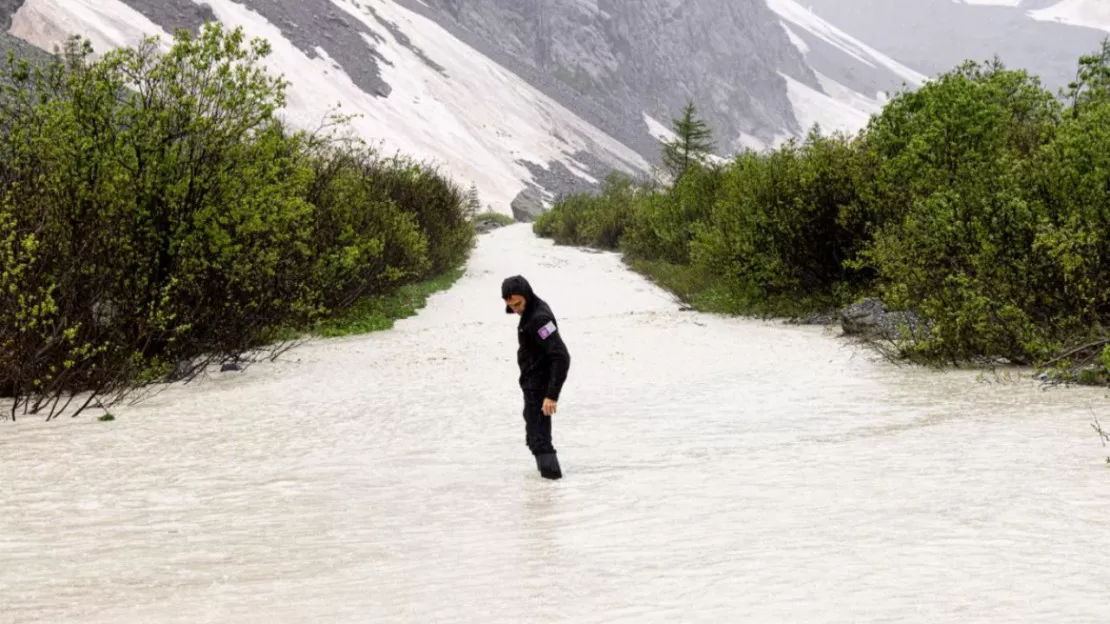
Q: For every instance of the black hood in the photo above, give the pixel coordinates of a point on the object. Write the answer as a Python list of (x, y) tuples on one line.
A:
[(517, 285)]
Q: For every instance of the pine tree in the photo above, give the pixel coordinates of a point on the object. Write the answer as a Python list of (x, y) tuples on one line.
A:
[(473, 200), (692, 143)]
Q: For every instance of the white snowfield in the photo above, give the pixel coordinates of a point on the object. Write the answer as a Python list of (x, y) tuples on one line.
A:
[(106, 24), (830, 113), (795, 13), (1089, 13), (836, 107), (715, 470), (474, 123)]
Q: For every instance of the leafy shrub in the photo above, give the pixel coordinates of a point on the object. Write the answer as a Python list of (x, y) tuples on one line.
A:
[(775, 230), (664, 222), (956, 240), (978, 201), (156, 215), (596, 220)]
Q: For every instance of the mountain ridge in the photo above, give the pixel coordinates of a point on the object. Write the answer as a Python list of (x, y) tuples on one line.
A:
[(528, 100)]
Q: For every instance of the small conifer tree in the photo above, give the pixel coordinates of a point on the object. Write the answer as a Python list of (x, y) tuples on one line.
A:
[(693, 141)]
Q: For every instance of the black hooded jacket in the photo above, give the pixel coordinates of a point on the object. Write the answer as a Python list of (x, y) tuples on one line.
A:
[(542, 355)]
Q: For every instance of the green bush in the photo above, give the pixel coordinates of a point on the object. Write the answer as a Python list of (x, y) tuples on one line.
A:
[(663, 223), (957, 229), (154, 212), (437, 205), (775, 230), (978, 202), (362, 241), (492, 216), (594, 220)]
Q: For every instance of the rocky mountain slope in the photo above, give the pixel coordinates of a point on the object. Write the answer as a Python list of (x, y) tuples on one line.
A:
[(650, 58), (529, 98), (417, 89)]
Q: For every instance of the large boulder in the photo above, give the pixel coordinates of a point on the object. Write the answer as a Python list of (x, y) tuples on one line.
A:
[(870, 319), (527, 205)]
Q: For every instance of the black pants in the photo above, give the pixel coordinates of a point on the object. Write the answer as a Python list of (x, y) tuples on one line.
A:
[(537, 427)]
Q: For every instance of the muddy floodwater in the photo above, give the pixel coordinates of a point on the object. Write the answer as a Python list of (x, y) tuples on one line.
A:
[(715, 469)]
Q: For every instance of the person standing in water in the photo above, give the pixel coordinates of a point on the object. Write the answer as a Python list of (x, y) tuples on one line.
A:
[(544, 362)]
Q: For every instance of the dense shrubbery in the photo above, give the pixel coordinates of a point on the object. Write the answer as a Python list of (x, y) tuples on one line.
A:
[(979, 202), (156, 216)]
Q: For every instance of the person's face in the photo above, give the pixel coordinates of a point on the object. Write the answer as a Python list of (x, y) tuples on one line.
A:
[(515, 303)]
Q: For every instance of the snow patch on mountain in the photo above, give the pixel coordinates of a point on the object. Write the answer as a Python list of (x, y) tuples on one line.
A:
[(658, 130), (479, 122), (105, 23), (798, 42), (815, 25), (1089, 13), (851, 98), (814, 107), (835, 107)]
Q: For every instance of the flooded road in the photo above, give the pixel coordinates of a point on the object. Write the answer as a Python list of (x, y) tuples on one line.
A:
[(715, 470)]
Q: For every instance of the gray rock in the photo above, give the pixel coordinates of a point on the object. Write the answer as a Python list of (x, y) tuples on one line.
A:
[(183, 369), (306, 23), (870, 319), (863, 317), (7, 10), (527, 205)]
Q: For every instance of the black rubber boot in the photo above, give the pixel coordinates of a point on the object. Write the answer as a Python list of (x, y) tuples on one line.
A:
[(548, 464)]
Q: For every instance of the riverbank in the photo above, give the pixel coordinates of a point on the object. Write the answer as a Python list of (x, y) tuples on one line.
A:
[(380, 313), (867, 322)]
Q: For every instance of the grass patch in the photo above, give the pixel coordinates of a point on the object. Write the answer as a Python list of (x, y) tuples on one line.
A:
[(379, 313), (493, 217), (705, 293)]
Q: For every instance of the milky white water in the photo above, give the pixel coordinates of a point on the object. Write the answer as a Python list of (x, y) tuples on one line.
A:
[(715, 470)]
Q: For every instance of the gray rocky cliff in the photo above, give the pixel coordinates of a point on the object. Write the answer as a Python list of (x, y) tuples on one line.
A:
[(650, 56), (610, 62)]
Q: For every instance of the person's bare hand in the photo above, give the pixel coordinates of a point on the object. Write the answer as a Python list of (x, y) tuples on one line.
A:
[(549, 407)]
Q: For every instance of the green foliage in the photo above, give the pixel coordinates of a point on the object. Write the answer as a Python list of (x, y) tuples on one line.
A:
[(775, 229), (1092, 82), (437, 204), (371, 314), (363, 243), (978, 202), (493, 216), (154, 211), (956, 242), (692, 143), (665, 221), (597, 221)]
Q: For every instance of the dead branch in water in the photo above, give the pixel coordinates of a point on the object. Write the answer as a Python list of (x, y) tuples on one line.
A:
[(1067, 354)]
